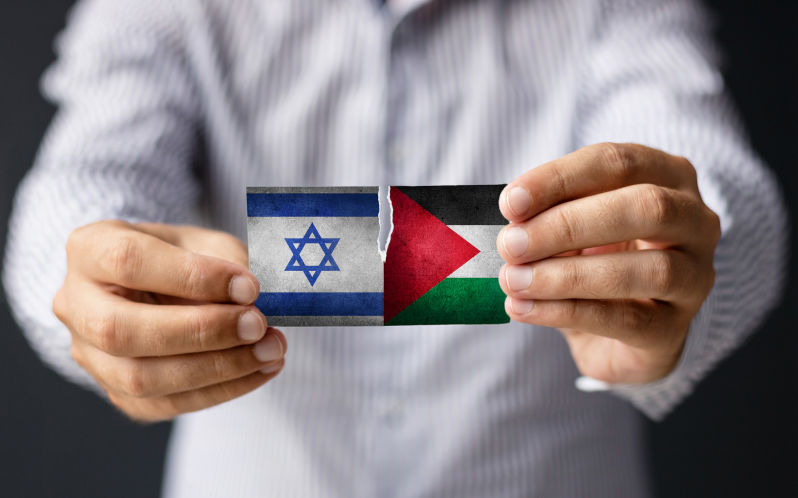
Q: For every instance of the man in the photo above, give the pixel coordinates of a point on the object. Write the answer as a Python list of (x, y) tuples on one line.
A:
[(624, 163)]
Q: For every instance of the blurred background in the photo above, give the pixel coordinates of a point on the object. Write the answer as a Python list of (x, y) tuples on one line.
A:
[(737, 436)]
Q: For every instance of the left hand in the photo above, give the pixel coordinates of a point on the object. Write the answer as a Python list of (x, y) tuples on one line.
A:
[(613, 245)]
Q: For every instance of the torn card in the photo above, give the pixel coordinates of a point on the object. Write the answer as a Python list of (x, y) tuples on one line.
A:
[(316, 253)]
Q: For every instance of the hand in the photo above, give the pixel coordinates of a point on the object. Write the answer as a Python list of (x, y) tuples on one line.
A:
[(612, 245), (161, 317)]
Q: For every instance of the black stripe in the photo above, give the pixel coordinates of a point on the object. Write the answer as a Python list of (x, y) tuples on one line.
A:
[(461, 204)]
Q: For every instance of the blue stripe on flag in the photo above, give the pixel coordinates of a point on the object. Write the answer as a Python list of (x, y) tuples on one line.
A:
[(309, 205), (320, 303)]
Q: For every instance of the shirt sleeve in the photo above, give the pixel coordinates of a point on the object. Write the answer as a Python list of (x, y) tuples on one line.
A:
[(120, 146), (652, 78)]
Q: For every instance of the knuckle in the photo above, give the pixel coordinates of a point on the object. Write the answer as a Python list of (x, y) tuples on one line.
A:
[(662, 275), (134, 380), (559, 182), (103, 329), (618, 159), (565, 228), (220, 368), (123, 259), (659, 205), (201, 326), (191, 277), (570, 277)]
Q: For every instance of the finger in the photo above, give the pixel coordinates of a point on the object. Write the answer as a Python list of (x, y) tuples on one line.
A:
[(167, 407), (650, 274), (591, 170), (131, 329), (200, 240), (113, 252), (643, 211), (637, 323), (160, 376)]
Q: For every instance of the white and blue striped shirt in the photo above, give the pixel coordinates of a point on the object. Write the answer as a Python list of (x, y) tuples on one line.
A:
[(169, 108)]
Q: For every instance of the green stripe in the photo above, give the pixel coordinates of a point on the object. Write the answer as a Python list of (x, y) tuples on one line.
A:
[(457, 300)]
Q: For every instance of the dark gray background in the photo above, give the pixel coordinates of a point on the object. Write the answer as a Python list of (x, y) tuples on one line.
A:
[(736, 436)]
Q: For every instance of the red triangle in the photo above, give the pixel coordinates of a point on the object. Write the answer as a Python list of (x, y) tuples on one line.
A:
[(422, 252)]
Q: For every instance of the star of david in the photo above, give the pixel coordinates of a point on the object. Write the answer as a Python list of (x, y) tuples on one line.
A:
[(327, 263)]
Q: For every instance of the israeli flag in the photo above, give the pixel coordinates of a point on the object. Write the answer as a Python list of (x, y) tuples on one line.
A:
[(315, 254)]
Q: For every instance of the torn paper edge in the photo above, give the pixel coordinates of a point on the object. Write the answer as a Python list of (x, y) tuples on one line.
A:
[(385, 220)]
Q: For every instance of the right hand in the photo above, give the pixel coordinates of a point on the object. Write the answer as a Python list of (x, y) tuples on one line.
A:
[(162, 317)]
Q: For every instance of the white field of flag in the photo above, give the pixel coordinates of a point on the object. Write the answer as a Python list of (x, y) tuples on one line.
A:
[(314, 253)]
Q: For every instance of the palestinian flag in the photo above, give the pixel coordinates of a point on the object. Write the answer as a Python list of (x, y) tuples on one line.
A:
[(442, 265)]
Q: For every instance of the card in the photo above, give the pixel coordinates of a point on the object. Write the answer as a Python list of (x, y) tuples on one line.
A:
[(323, 259)]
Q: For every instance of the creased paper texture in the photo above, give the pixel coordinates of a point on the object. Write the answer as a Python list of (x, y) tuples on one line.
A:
[(315, 253)]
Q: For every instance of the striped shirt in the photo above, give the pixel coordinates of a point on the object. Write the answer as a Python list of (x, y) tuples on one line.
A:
[(168, 109)]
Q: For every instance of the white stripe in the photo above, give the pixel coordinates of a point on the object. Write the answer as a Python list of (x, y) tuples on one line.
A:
[(356, 254), (487, 263)]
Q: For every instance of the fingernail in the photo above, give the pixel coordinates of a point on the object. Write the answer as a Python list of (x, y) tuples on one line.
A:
[(518, 277), (250, 327), (518, 201), (272, 368), (521, 306), (268, 349), (242, 290), (516, 241)]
